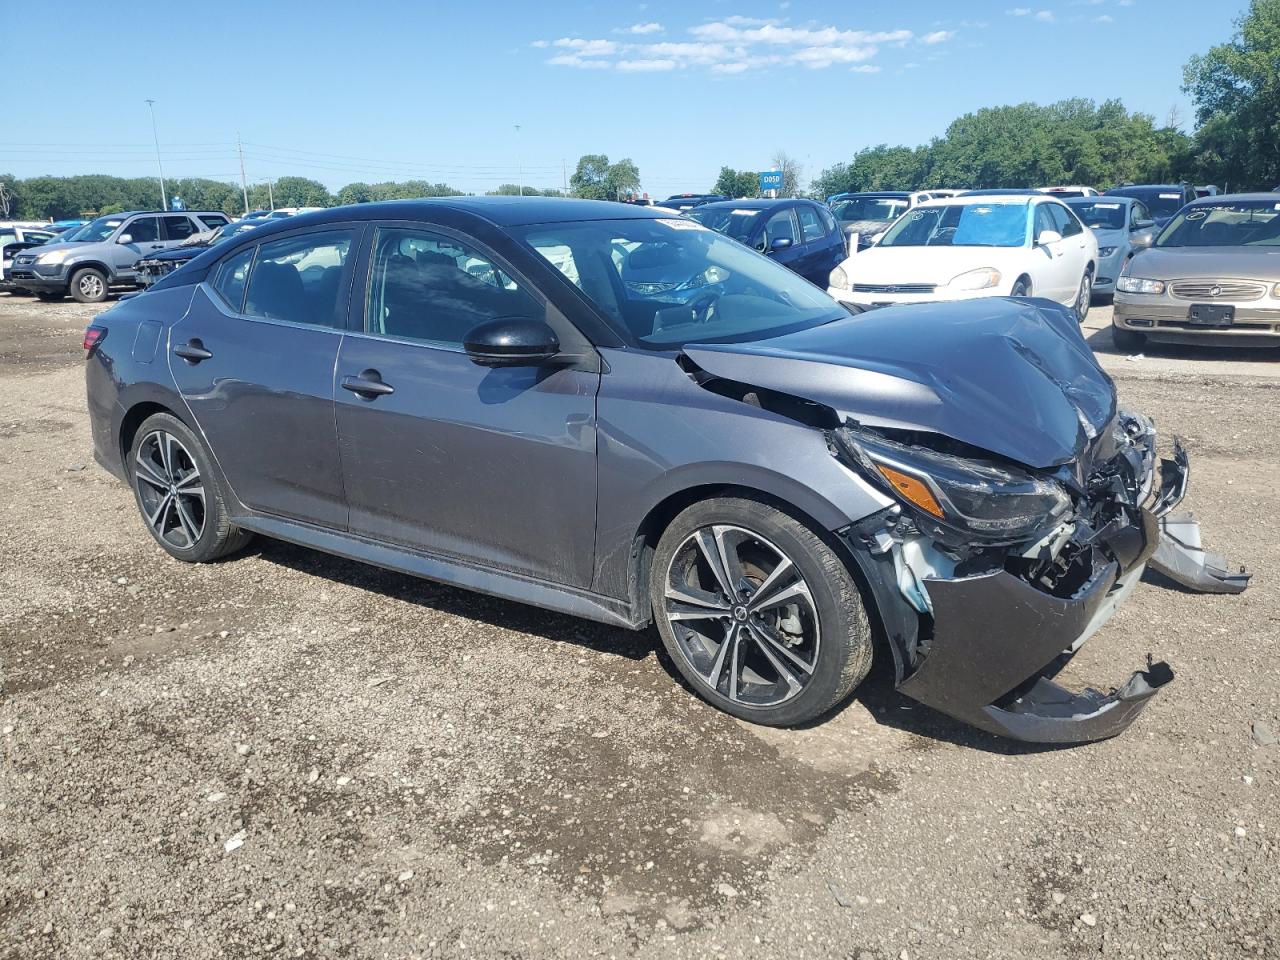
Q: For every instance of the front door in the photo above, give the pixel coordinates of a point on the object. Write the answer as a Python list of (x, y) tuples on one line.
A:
[(1055, 276), (254, 360), (138, 239), (490, 465)]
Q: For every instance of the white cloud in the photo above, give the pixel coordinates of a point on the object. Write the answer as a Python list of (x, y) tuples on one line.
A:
[(640, 29), (574, 60), (1104, 18), (645, 66), (1045, 16), (1019, 11), (733, 44), (864, 68)]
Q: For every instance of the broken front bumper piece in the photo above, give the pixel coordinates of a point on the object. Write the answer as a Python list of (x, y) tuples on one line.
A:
[(997, 641)]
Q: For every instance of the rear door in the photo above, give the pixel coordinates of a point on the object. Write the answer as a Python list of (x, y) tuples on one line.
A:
[(254, 359), (488, 465)]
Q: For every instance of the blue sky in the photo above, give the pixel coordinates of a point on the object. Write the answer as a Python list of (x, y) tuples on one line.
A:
[(393, 91)]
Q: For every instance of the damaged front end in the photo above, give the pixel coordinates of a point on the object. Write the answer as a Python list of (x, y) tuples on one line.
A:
[(990, 576)]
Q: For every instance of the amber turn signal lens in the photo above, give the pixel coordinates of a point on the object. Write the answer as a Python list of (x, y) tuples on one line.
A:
[(912, 490)]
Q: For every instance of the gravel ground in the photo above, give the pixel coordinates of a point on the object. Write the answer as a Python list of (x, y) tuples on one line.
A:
[(288, 753)]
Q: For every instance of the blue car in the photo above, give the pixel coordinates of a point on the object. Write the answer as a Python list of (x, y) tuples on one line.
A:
[(800, 234), (1122, 226)]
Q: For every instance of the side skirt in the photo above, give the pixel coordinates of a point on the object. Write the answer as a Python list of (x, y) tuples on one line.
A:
[(497, 583)]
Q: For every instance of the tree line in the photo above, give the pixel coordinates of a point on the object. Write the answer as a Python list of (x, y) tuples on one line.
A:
[(1235, 88)]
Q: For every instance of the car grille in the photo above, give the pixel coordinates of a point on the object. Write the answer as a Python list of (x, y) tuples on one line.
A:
[(1217, 289), (24, 258), (894, 287)]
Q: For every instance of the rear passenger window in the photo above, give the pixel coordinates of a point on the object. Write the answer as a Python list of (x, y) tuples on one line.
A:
[(810, 228), (298, 279), (213, 220), (231, 276), (431, 288)]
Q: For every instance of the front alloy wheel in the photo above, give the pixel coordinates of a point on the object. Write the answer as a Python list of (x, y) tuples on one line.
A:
[(743, 615), (1084, 296), (758, 612)]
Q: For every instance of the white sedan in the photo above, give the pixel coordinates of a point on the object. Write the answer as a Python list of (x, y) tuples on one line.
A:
[(997, 244)]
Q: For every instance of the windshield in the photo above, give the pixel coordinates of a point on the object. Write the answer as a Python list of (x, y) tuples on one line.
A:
[(1100, 214), (73, 233), (1238, 223), (961, 225), (1162, 203), (855, 209), (98, 230), (670, 282), (738, 224)]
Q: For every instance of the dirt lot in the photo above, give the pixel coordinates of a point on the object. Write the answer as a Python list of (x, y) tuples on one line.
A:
[(294, 755)]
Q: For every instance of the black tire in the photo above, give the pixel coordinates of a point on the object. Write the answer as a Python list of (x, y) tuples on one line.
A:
[(88, 285), (1084, 297), (1127, 341), (827, 632), (216, 535), (1022, 288)]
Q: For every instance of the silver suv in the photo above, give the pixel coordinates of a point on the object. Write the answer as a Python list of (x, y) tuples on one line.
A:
[(102, 254)]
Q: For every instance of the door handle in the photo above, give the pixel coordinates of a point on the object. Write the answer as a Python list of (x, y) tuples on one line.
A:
[(368, 385), (157, 246), (192, 351)]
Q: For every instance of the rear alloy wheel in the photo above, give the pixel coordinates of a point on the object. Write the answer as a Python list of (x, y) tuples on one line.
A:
[(759, 614), (177, 493), (1084, 296), (89, 285)]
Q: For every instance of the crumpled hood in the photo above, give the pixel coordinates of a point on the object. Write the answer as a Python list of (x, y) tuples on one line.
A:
[(1014, 377)]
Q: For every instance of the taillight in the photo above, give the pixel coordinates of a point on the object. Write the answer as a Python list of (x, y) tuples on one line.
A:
[(93, 335)]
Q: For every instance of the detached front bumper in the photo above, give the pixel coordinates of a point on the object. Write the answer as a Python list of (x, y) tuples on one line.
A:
[(997, 641)]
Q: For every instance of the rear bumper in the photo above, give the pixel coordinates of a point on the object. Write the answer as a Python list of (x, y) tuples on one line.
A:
[(998, 642)]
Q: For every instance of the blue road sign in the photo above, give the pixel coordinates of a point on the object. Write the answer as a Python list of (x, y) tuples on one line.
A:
[(771, 180)]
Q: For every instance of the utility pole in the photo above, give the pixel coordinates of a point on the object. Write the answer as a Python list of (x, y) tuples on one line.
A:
[(564, 176), (519, 163), (271, 197), (164, 200), (244, 187)]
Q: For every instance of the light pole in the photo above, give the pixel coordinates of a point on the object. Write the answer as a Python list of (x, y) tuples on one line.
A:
[(164, 200), (519, 163)]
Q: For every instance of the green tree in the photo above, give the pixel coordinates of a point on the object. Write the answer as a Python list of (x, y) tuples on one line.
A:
[(1236, 91), (597, 179), (355, 193), (301, 192), (515, 190), (737, 183)]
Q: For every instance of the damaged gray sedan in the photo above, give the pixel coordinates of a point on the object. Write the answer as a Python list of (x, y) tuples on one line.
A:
[(617, 414)]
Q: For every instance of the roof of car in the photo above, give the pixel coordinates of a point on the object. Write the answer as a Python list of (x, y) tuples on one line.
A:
[(1261, 196), (1114, 198), (1146, 186), (503, 211), (994, 196), (896, 194), (748, 203), (1005, 192)]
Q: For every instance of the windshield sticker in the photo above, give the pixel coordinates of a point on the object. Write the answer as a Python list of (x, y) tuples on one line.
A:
[(918, 215), (1170, 196), (1201, 214), (681, 224), (1107, 206)]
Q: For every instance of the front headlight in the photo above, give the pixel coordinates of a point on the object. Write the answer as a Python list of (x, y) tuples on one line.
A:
[(1139, 285), (1104, 252), (53, 256), (981, 279), (838, 279), (983, 498)]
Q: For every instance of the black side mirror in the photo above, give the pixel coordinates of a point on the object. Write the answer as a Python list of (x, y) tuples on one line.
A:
[(511, 342), (779, 243)]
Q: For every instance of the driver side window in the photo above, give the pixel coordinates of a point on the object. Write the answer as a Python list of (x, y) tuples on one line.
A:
[(142, 230), (781, 226), (1044, 221)]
